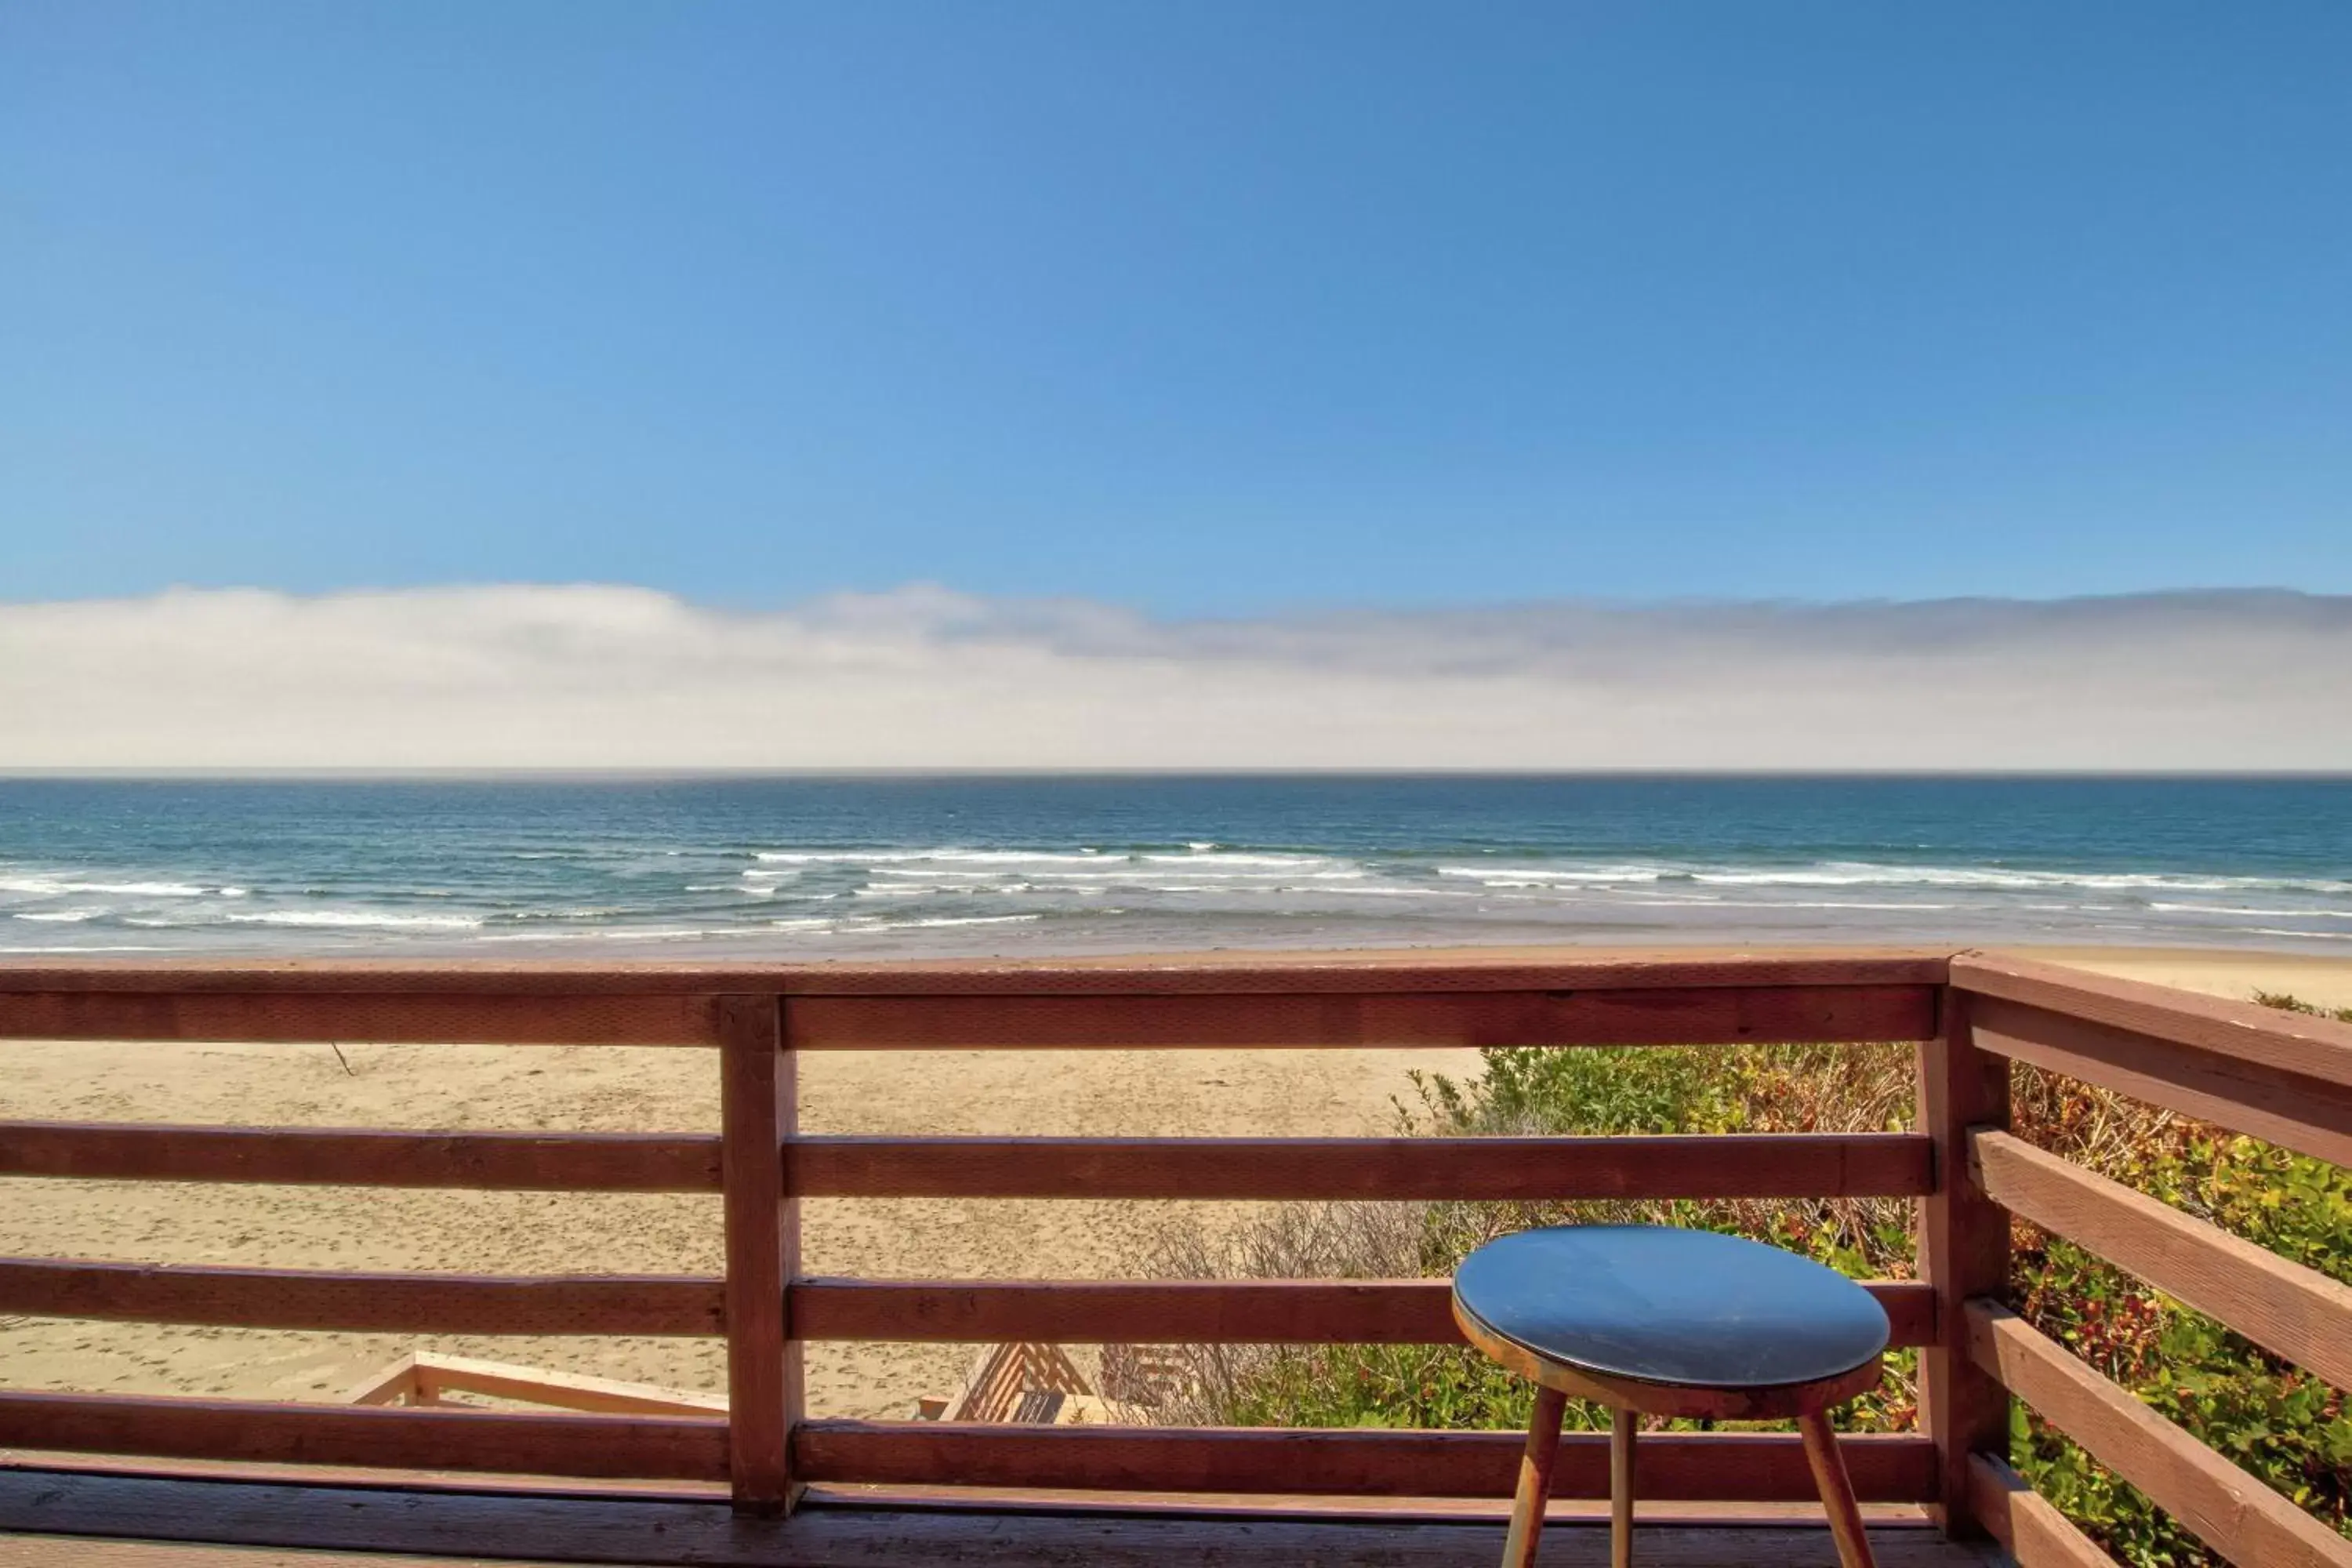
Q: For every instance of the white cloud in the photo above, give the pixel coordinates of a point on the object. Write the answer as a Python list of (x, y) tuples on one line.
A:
[(620, 677)]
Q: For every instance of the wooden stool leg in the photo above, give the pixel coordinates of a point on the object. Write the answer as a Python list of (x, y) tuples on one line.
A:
[(1836, 1489), (1621, 1490), (1536, 1466)]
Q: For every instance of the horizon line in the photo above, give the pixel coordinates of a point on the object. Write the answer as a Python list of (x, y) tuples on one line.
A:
[(357, 774)]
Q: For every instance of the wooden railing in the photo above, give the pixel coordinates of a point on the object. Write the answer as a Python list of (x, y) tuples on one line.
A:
[(2279, 1077), (2286, 1080)]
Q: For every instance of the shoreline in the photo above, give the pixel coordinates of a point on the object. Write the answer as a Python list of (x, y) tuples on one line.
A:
[(620, 948), (943, 864)]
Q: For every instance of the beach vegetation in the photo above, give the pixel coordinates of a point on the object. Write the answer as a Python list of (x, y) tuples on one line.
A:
[(2286, 1427)]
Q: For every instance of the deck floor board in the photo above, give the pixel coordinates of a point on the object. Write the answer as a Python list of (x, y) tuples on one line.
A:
[(144, 1522)]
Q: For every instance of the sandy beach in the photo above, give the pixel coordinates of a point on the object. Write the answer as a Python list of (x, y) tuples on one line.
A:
[(2321, 980), (615, 1090), (636, 1089)]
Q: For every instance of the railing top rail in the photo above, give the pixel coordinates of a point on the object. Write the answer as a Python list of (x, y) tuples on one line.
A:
[(1537, 969), (2300, 1042)]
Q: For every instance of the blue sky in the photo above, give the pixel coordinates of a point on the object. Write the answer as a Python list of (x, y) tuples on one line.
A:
[(1199, 308)]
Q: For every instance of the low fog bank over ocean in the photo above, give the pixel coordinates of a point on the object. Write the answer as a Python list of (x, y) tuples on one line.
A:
[(799, 867)]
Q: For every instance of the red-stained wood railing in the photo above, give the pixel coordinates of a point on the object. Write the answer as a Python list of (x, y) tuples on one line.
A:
[(363, 1302), (1963, 1252), (758, 1100), (1182, 1311), (1750, 1166), (1743, 1467), (357, 1157), (614, 1447), (2277, 1076), (758, 1018), (2280, 1077)]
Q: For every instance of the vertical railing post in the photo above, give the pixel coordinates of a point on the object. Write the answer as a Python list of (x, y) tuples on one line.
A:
[(1963, 1252), (757, 1096)]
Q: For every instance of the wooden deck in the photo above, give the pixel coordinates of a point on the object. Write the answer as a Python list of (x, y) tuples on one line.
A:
[(66, 1520)]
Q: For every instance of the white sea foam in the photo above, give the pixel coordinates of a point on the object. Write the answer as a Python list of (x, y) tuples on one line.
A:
[(2002, 878), (1249, 889), (1014, 857), (827, 857), (1867, 874), (97, 947), (356, 920), (618, 933), (955, 920), (662, 934), (603, 913), (2258, 913), (1522, 876), (1906, 906), (1386, 891), (52, 887), (1230, 857), (937, 873), (1197, 869), (886, 856), (62, 917)]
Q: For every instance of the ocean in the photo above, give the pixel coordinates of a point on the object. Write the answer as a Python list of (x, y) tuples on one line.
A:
[(804, 868)]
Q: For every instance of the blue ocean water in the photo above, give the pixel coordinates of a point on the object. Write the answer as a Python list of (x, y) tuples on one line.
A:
[(820, 866)]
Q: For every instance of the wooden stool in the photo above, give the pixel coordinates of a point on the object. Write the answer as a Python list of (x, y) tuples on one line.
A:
[(1656, 1321)]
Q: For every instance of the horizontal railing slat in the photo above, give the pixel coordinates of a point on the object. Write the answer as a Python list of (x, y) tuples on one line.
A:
[(1888, 1164), (1705, 1016), (2301, 1044), (1769, 1165), (1184, 1311), (363, 1303), (545, 1161), (1159, 975), (1678, 1466), (1172, 1311), (2028, 1526), (2310, 1115), (2229, 1510), (386, 1017), (648, 1447), (1753, 1014), (2293, 1311)]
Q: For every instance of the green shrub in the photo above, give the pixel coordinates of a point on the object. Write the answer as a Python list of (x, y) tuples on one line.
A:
[(1522, 1091), (2289, 1429)]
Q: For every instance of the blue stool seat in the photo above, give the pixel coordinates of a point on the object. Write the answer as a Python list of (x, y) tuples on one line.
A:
[(1654, 1320), (1682, 1307)]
